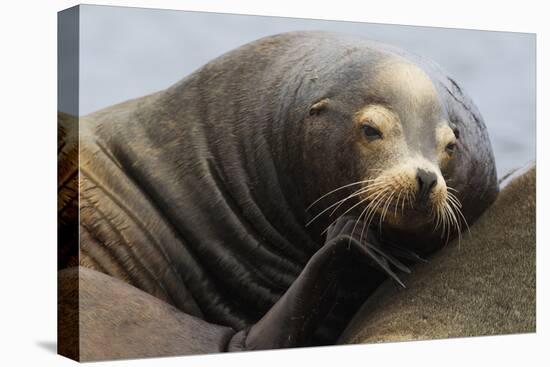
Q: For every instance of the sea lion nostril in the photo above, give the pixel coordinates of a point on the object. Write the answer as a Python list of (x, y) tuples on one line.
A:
[(426, 182)]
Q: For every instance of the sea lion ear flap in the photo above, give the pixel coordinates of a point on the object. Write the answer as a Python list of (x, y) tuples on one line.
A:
[(456, 132), (318, 107)]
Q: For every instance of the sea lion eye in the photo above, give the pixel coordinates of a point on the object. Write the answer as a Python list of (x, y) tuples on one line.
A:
[(318, 107), (371, 132), (450, 148)]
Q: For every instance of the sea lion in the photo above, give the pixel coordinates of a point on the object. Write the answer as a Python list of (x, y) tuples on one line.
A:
[(117, 320), (485, 286), (216, 194)]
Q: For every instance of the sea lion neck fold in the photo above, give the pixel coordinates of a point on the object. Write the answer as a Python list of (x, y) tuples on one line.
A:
[(229, 157)]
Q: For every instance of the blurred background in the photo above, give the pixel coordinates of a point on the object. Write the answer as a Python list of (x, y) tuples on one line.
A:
[(129, 52)]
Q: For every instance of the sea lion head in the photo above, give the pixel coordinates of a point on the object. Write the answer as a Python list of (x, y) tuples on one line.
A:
[(394, 146)]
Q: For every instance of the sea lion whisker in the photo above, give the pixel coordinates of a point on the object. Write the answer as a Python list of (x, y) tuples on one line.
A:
[(364, 224), (386, 209), (465, 222), (378, 183), (449, 223), (453, 200), (442, 217), (436, 218), (373, 204), (460, 216), (340, 202), (440, 220), (331, 206), (347, 211), (444, 220), (453, 197), (353, 231), (432, 212), (371, 188), (370, 216), (386, 206), (335, 190), (381, 204), (366, 210), (362, 190), (405, 197), (459, 212), (396, 206), (449, 220), (456, 222), (453, 216), (357, 221), (436, 214), (455, 203), (377, 199), (372, 207)]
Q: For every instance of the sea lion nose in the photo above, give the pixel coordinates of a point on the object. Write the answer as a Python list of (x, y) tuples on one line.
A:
[(426, 182)]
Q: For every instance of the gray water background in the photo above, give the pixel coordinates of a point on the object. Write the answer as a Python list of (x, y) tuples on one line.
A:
[(130, 52)]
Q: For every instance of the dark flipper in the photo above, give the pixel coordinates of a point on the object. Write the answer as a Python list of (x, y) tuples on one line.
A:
[(398, 264), (403, 253), (293, 319)]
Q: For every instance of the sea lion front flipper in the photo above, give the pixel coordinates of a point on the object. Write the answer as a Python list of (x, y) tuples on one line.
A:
[(404, 253), (381, 259), (293, 319), (398, 264)]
